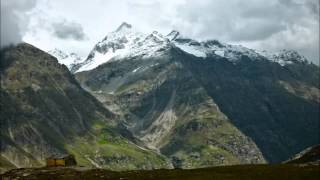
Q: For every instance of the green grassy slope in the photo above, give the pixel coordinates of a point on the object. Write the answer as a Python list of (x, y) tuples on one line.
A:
[(44, 111)]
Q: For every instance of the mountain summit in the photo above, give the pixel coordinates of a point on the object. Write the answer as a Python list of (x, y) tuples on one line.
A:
[(124, 26), (124, 42)]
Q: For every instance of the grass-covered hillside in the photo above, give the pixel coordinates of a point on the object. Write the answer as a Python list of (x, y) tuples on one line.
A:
[(44, 111)]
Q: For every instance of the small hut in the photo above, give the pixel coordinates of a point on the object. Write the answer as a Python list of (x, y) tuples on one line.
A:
[(61, 160)]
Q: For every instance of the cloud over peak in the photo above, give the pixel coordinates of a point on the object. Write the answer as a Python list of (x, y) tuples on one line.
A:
[(68, 30)]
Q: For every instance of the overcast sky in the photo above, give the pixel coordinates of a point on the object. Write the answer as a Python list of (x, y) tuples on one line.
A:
[(77, 25)]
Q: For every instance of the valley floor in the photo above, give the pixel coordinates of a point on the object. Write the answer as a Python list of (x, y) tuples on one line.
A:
[(245, 172)]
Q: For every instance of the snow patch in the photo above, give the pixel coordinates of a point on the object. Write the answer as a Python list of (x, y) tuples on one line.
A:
[(68, 59), (100, 58), (192, 50), (219, 53), (135, 70)]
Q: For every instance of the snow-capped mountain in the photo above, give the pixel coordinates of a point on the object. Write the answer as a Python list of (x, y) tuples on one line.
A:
[(68, 59), (232, 52), (195, 101), (126, 41), (212, 47)]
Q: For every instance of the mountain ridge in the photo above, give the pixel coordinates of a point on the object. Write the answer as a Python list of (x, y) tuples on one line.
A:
[(127, 41), (141, 87)]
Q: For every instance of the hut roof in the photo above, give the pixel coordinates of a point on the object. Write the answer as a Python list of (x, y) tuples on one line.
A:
[(59, 156)]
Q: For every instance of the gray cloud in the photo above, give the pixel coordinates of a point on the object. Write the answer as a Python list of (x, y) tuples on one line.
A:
[(236, 19), (14, 19), (271, 25), (314, 8), (68, 30), (256, 30)]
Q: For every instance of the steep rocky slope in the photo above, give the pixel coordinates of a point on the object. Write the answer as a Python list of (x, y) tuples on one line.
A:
[(205, 103), (310, 156), (278, 107), (163, 105), (166, 108), (44, 111)]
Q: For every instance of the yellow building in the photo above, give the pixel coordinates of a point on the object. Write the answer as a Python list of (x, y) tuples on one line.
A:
[(61, 160)]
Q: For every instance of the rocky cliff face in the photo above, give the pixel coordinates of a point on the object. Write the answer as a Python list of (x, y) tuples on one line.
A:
[(309, 156), (277, 106), (44, 111), (163, 105)]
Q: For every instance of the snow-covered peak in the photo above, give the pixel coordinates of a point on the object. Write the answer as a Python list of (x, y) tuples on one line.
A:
[(124, 42), (68, 59), (173, 35), (124, 27)]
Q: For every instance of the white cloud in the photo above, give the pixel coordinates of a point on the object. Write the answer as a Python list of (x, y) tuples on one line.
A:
[(14, 19)]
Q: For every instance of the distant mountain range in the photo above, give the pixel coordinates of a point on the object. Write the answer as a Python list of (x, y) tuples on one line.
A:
[(173, 101)]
